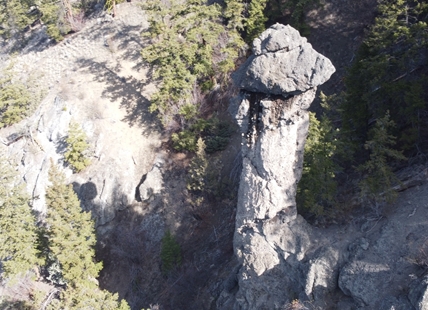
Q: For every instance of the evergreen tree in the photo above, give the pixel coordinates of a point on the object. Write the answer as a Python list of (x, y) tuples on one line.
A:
[(384, 75), (76, 148), (255, 22), (18, 232), (15, 98), (317, 187), (170, 253), (198, 167), (58, 16), (14, 15), (379, 177), (234, 13), (71, 243), (189, 45)]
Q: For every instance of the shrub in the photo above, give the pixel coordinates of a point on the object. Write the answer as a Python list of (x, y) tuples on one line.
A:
[(188, 111), (76, 148), (184, 140), (295, 305), (421, 257)]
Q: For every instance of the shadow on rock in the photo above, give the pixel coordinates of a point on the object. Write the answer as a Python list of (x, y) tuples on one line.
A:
[(126, 90)]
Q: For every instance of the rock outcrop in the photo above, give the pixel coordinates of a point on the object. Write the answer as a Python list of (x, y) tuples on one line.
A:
[(98, 86), (279, 84)]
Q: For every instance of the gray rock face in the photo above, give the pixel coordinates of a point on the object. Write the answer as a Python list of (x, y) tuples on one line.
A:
[(271, 240), (153, 181), (106, 186), (360, 280), (41, 136), (418, 294), (283, 63)]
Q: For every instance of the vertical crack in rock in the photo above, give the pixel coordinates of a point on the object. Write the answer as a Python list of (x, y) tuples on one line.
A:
[(278, 83)]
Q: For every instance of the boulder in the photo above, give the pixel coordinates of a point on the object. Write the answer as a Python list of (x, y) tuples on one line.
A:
[(321, 277), (152, 182), (284, 63), (364, 281)]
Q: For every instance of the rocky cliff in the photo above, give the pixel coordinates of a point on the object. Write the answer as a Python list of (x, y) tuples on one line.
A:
[(368, 264)]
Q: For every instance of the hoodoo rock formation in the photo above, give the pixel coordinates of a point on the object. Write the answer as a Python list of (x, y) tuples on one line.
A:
[(278, 85)]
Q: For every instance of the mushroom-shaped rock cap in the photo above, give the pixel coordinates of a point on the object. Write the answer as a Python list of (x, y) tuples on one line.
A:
[(284, 63)]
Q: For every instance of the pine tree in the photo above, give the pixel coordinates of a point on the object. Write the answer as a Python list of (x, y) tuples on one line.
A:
[(379, 177), (255, 22), (71, 241), (70, 232), (18, 232), (57, 16), (189, 45), (170, 253), (14, 16), (15, 98), (234, 13), (76, 148), (198, 167), (317, 187), (384, 75)]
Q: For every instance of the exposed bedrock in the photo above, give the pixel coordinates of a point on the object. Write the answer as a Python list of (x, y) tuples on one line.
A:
[(278, 85)]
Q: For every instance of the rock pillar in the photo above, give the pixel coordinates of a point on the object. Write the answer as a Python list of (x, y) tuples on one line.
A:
[(278, 85)]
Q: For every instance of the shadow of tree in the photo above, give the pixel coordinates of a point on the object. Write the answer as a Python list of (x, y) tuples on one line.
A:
[(130, 41), (125, 90), (25, 42), (14, 305), (61, 144)]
